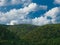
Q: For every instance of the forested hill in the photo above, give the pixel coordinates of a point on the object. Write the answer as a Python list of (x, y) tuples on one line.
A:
[(30, 35)]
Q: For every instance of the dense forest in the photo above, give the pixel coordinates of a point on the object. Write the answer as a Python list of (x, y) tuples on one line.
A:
[(25, 34)]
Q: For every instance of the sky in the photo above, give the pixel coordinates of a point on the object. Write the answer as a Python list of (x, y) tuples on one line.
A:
[(35, 12)]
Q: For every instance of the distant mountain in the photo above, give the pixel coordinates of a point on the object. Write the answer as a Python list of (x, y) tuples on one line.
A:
[(30, 35)]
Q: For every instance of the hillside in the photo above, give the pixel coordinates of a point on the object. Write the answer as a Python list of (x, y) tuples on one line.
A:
[(30, 34)]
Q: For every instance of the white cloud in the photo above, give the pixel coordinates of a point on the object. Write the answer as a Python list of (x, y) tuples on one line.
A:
[(2, 2), (57, 2), (13, 22), (40, 21), (14, 2), (54, 14), (17, 14)]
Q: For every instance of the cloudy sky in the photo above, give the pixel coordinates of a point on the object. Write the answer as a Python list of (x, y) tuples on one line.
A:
[(36, 12)]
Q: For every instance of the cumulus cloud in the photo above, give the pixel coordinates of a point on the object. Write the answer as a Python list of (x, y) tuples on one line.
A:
[(2, 2), (13, 22), (14, 2), (40, 21), (54, 14), (50, 17), (17, 15), (57, 2)]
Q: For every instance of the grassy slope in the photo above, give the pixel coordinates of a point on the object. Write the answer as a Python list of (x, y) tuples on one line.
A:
[(30, 35)]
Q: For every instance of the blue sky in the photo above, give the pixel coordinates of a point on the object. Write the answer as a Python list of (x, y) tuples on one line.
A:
[(36, 12)]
